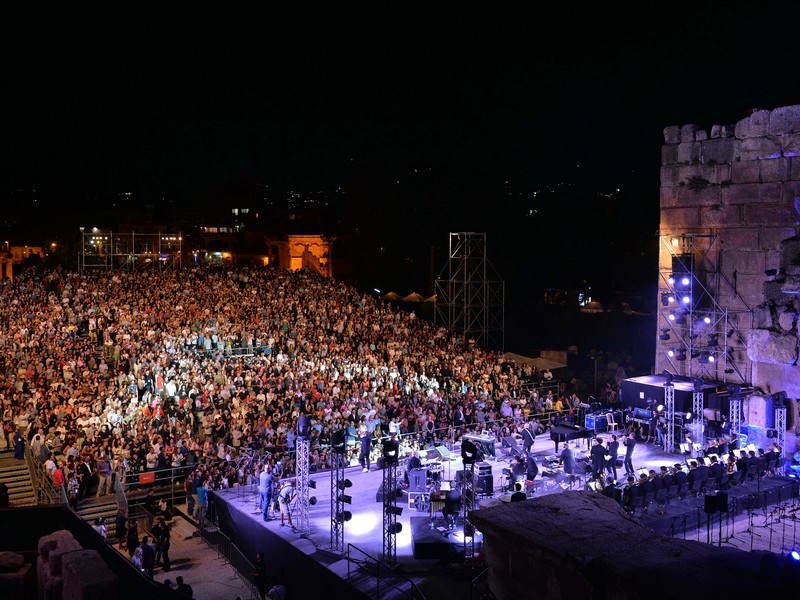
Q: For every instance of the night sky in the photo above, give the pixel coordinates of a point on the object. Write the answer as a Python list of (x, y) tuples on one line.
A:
[(542, 130)]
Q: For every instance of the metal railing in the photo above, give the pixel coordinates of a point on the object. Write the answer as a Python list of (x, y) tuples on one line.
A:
[(379, 570), (44, 490), (131, 480)]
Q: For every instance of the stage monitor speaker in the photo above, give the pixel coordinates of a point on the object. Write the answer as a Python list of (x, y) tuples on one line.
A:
[(485, 485), (418, 480), (714, 503)]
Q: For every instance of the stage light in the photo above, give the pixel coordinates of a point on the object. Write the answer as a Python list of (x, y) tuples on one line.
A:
[(391, 450), (711, 358), (686, 299), (671, 279), (343, 485), (312, 484), (713, 339), (666, 299), (685, 280), (345, 498), (772, 433), (395, 528), (698, 384), (667, 377), (707, 320), (303, 427), (794, 555), (394, 510), (688, 416), (672, 316), (664, 335), (312, 501), (344, 516), (469, 452), (670, 352), (660, 408), (681, 355)]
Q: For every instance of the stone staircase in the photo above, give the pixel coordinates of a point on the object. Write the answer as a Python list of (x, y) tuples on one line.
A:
[(18, 479), (97, 507)]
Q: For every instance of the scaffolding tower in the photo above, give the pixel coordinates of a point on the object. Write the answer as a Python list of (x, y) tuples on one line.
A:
[(390, 509), (103, 249), (697, 335), (470, 295), (303, 446), (669, 407)]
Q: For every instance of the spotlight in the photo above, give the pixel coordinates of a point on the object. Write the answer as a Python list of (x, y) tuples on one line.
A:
[(686, 299), (469, 452), (303, 427), (312, 501), (772, 433), (713, 339), (688, 416), (664, 334), (312, 484), (698, 384), (672, 316), (667, 377), (794, 555), (729, 333), (671, 279), (344, 516), (394, 510), (343, 485), (660, 408), (711, 358), (681, 355), (707, 320), (670, 352), (391, 449), (685, 280), (395, 528), (345, 498), (666, 299)]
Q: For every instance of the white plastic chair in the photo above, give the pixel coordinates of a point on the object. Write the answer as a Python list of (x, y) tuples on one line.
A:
[(612, 424)]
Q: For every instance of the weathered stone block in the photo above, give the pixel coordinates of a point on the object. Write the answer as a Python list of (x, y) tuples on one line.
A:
[(52, 589), (700, 135), (698, 192), (740, 238), (745, 261), (728, 131), (720, 216), (670, 176), (791, 193), (790, 144), (766, 374), (86, 576), (773, 293), (791, 287), (722, 150), (767, 214), (688, 152), (679, 218), (771, 237), (759, 149), (745, 172), (785, 119), (748, 193), (756, 125), (672, 134), (770, 347), (716, 131), (762, 317), (794, 168), (787, 319), (17, 584), (56, 555), (723, 174), (48, 542), (688, 132), (11, 562), (775, 169), (669, 155)]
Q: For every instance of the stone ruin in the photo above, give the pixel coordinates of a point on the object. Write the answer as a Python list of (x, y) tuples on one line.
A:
[(580, 544), (65, 571)]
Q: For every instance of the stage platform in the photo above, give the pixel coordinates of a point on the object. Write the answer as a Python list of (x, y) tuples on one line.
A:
[(424, 555)]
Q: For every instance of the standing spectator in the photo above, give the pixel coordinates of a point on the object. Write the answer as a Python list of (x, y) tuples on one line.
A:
[(260, 576), (266, 482), (202, 499), (184, 588), (19, 444), (365, 437), (121, 525), (148, 556), (104, 475), (132, 537), (100, 527), (613, 452), (159, 531)]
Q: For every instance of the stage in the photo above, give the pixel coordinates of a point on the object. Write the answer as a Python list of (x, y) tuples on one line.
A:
[(426, 550)]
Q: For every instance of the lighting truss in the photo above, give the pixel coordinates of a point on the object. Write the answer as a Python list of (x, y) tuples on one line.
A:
[(303, 445), (390, 512), (669, 408)]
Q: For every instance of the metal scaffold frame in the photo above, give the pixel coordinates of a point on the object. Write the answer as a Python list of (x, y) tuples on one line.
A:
[(470, 295), (337, 504), (390, 512), (468, 505), (303, 447), (697, 337), (669, 407), (780, 426), (106, 250), (698, 422), (735, 415)]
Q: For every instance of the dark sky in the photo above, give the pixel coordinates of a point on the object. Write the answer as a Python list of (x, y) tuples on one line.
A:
[(432, 123)]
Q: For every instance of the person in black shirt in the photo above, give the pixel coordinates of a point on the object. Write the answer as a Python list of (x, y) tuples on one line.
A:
[(630, 444), (260, 576), (613, 453)]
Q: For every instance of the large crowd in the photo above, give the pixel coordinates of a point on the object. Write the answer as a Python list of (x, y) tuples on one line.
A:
[(106, 372)]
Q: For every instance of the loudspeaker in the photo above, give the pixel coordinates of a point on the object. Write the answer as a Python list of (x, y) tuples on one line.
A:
[(418, 480), (485, 485), (682, 263)]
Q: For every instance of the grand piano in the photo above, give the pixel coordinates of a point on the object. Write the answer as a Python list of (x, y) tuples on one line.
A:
[(565, 432)]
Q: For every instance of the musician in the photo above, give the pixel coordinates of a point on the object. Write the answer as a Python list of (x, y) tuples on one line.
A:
[(656, 480), (518, 469), (629, 492), (528, 437), (716, 470), (667, 478), (567, 458), (613, 452), (723, 428), (610, 490), (722, 446), (712, 449), (731, 466), (598, 457), (519, 493), (531, 468), (742, 463), (414, 462), (679, 475), (630, 444)]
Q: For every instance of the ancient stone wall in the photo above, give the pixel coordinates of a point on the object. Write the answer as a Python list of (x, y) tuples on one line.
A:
[(739, 185)]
